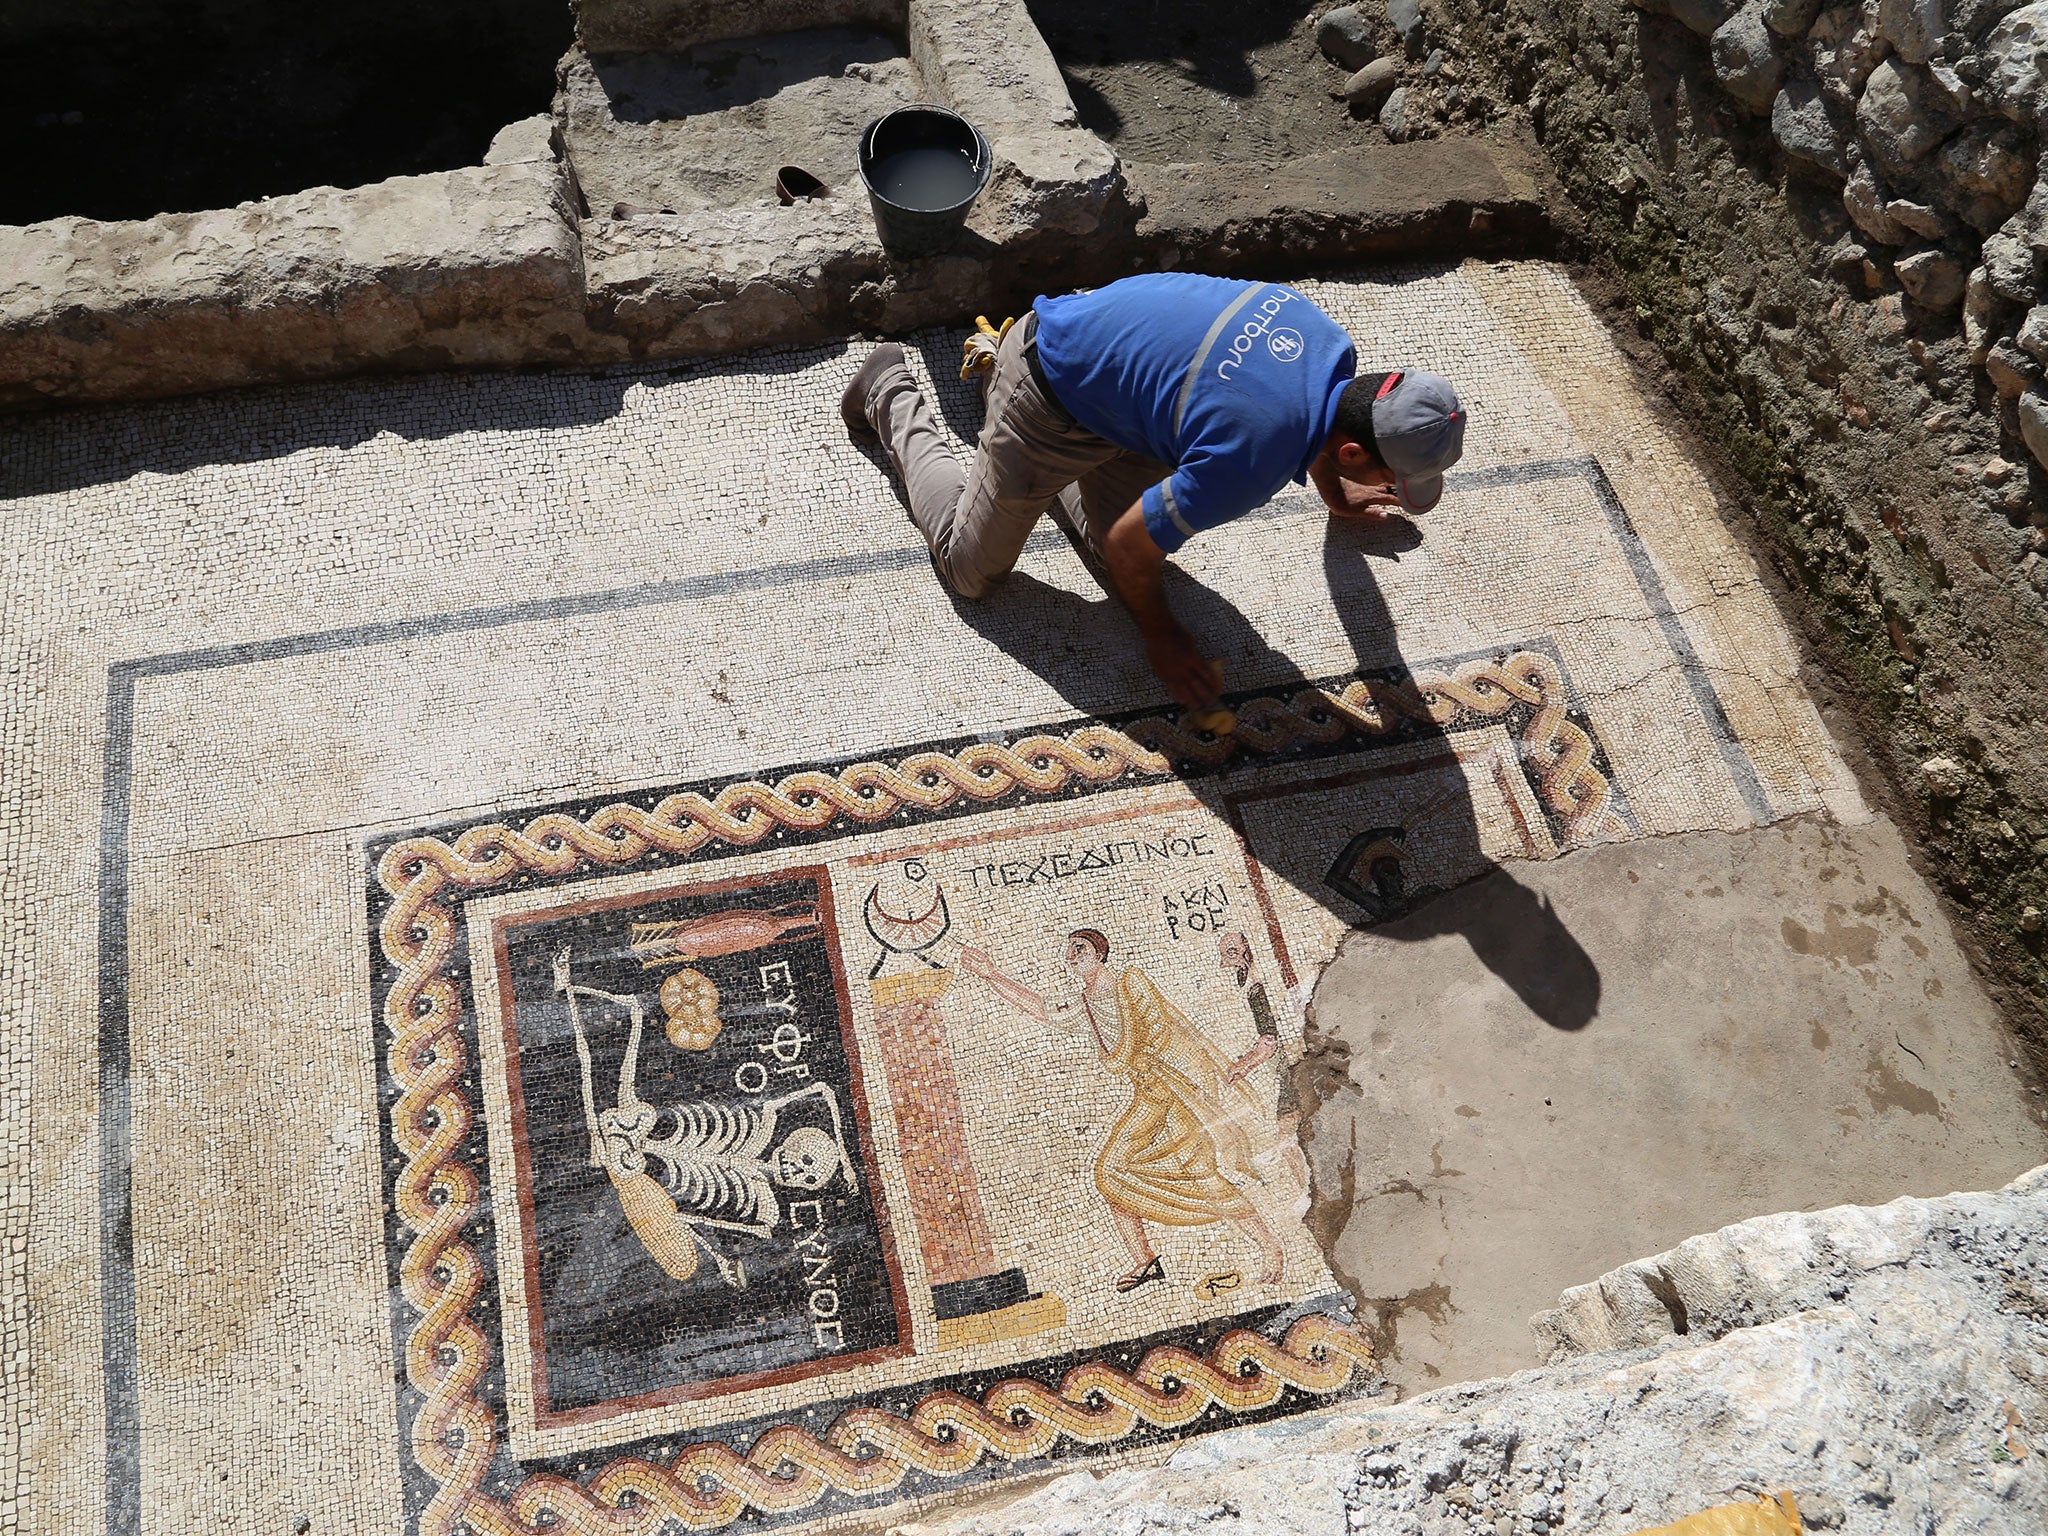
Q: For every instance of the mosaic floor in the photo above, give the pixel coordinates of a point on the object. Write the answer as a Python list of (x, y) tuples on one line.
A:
[(555, 981)]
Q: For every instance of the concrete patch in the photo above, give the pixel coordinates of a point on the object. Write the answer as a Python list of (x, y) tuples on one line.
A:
[(1783, 1021)]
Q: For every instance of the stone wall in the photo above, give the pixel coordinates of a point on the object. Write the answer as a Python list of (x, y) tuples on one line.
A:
[(1829, 220)]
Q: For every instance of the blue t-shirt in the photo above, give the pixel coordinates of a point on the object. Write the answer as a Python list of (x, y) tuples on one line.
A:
[(1234, 384)]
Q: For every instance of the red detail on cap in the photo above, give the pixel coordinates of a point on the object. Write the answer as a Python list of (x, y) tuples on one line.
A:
[(1387, 387)]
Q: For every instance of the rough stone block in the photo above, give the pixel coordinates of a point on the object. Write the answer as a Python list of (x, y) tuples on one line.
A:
[(1440, 196), (530, 141), (1858, 1355), (470, 267)]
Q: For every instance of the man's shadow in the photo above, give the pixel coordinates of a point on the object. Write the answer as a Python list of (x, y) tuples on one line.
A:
[(1358, 873)]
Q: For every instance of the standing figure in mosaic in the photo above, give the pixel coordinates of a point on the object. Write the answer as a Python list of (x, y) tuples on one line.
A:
[(1182, 1154), (721, 1164), (1143, 413)]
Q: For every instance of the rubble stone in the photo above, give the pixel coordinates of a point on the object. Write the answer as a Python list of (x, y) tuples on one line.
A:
[(2033, 333), (1701, 16), (1368, 89), (1790, 18), (2010, 370), (1933, 279), (1945, 778), (1346, 36), (1869, 208), (1928, 223), (1806, 131), (1902, 116), (1406, 18), (2016, 53), (2034, 423), (1980, 315), (1394, 114), (1984, 175), (1913, 27), (1845, 47), (2009, 266), (1746, 60)]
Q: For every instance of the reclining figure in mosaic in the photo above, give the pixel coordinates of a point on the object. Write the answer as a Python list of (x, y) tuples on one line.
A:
[(720, 1163)]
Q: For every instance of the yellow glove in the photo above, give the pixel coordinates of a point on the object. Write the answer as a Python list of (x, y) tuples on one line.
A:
[(978, 352), (1218, 722)]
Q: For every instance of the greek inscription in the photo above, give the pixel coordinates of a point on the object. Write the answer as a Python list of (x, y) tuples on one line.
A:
[(1198, 909), (1056, 865), (815, 1254)]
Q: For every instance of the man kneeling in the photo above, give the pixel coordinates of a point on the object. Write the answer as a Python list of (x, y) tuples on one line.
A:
[(1142, 413)]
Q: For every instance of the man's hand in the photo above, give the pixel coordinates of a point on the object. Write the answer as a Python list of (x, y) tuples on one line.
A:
[(1353, 501), (1189, 676), (1351, 498)]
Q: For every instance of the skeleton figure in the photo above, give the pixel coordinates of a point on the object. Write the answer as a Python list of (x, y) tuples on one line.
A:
[(719, 1164)]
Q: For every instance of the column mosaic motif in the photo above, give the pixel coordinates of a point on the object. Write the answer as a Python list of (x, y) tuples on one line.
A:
[(976, 1296)]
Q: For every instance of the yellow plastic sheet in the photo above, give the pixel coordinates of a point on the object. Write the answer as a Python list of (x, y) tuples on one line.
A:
[(1765, 1517)]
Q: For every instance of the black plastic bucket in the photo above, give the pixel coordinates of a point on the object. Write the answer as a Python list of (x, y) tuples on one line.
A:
[(923, 167)]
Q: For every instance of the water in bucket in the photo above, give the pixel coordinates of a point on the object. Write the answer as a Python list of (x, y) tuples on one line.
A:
[(924, 166), (926, 179)]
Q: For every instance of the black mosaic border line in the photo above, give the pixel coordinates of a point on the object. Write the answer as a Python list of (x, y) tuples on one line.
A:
[(123, 1422)]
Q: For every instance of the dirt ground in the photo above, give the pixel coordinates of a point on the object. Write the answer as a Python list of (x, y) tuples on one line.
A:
[(1201, 80)]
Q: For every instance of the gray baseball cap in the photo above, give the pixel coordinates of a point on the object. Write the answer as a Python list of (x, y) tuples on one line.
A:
[(1420, 428)]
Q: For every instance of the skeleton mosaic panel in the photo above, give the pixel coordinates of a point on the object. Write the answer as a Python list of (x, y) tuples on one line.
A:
[(741, 1238)]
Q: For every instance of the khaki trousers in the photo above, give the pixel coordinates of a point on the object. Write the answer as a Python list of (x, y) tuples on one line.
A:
[(1030, 455)]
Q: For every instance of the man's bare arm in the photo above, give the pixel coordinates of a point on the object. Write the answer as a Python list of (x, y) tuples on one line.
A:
[(1135, 563)]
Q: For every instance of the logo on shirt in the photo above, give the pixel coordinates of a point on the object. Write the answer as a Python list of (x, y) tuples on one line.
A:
[(1261, 324)]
